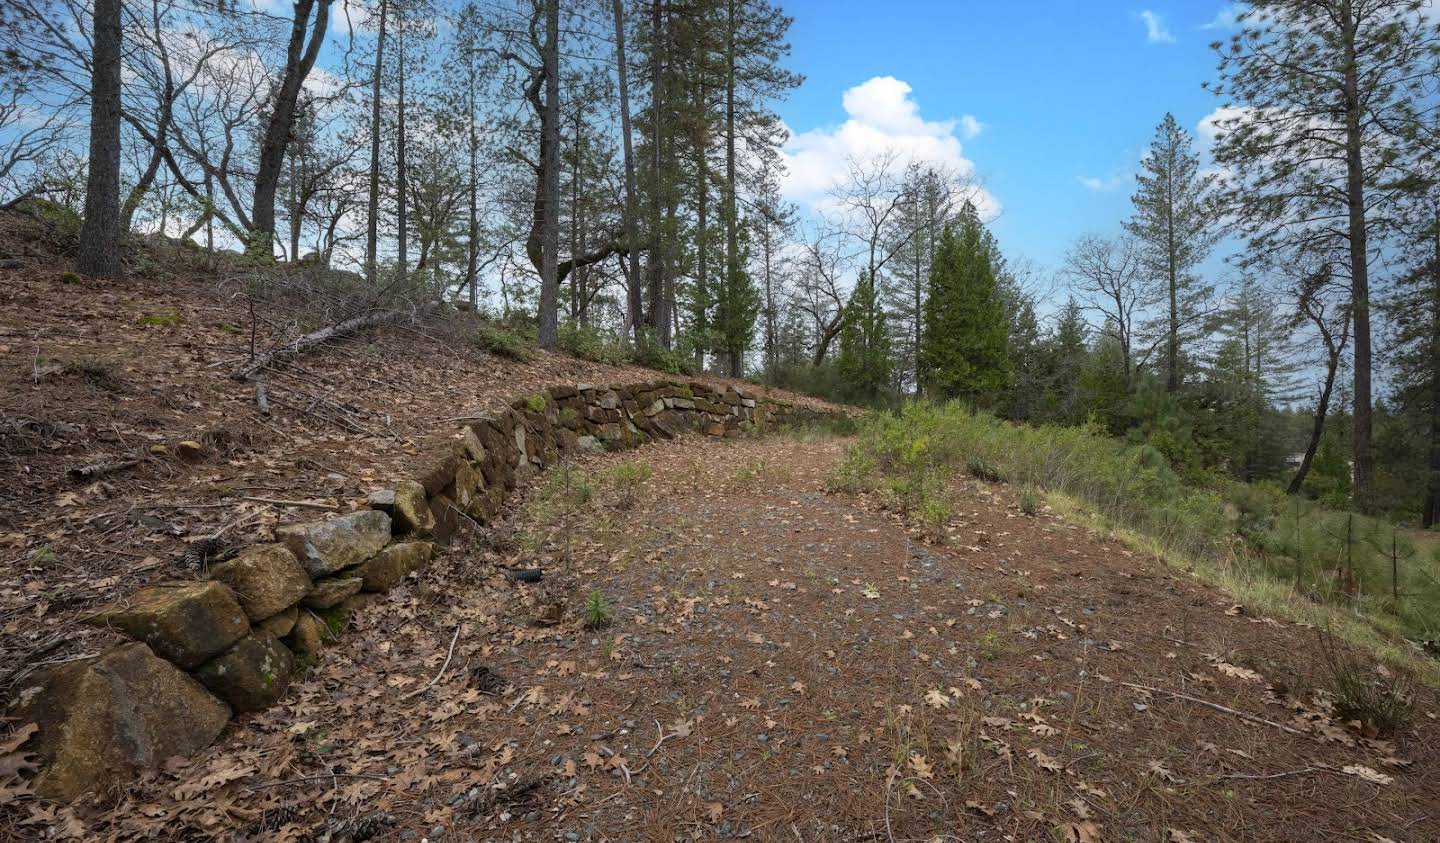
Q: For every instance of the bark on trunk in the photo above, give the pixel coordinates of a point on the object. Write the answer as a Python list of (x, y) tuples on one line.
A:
[(548, 328), (100, 234), (299, 60), (632, 273), (402, 198), (372, 210), (1359, 265)]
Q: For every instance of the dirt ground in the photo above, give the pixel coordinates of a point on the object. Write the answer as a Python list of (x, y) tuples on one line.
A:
[(119, 373), (783, 663)]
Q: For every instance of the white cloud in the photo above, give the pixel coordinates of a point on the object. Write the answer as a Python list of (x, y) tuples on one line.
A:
[(1227, 18), (1107, 184), (883, 119), (1156, 32)]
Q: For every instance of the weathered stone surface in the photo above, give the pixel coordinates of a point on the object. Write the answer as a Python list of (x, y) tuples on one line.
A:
[(407, 507), (324, 547), (280, 623), (265, 578), (467, 480), (251, 675), (104, 718), (589, 445), (331, 592), (443, 508), (438, 473), (472, 446), (386, 569), (308, 635), (186, 623)]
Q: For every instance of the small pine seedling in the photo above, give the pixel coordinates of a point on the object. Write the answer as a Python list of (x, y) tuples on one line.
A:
[(597, 610)]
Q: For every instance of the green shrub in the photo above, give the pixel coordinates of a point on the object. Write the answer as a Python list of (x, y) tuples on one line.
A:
[(1379, 697), (591, 344), (502, 341), (597, 610), (1030, 501), (1331, 556), (626, 478)]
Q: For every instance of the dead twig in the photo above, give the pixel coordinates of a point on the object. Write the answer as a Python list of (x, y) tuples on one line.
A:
[(450, 654), (329, 507), (1217, 706)]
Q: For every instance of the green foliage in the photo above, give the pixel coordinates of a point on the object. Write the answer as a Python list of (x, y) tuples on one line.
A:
[(503, 341), (161, 320), (597, 610), (737, 305), (648, 352), (536, 403), (588, 343), (626, 478), (963, 348), (864, 361), (1030, 502), (1331, 556), (69, 278), (1329, 477)]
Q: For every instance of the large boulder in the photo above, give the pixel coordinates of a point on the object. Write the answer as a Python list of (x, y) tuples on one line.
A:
[(186, 623), (386, 569), (104, 718), (250, 676), (324, 547), (266, 578), (406, 505), (332, 592)]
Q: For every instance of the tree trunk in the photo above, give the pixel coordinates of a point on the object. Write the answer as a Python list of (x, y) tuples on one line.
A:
[(372, 215), (632, 268), (549, 329), (1317, 430), (402, 198), (299, 59), (1431, 514), (472, 245), (100, 234), (657, 318), (1359, 264)]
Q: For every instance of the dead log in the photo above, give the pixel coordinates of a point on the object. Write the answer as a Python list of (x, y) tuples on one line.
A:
[(84, 473), (260, 362)]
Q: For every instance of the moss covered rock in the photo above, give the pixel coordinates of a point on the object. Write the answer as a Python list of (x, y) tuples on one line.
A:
[(386, 569), (266, 578), (103, 719), (251, 675), (186, 623), (324, 547)]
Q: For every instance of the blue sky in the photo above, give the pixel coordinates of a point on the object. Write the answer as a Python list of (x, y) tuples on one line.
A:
[(1067, 94)]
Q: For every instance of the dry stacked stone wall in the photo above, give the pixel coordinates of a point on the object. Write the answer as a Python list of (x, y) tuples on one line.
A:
[(204, 650)]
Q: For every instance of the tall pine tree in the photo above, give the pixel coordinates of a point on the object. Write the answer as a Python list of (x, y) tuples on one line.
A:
[(864, 360), (1174, 224), (963, 345)]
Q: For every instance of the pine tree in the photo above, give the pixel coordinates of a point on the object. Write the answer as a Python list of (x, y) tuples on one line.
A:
[(1415, 310), (963, 344), (737, 305), (1323, 96), (1174, 223), (864, 360)]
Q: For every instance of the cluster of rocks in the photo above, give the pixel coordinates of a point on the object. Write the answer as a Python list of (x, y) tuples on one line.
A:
[(203, 650)]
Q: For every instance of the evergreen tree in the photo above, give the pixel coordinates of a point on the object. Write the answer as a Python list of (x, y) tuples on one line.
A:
[(737, 305), (963, 345), (1324, 96), (1415, 311), (864, 361), (1173, 222)]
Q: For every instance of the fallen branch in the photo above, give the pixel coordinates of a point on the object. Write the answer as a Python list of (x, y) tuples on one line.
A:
[(100, 469), (262, 397), (328, 507), (341, 329), (319, 778), (1217, 706), (444, 667)]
